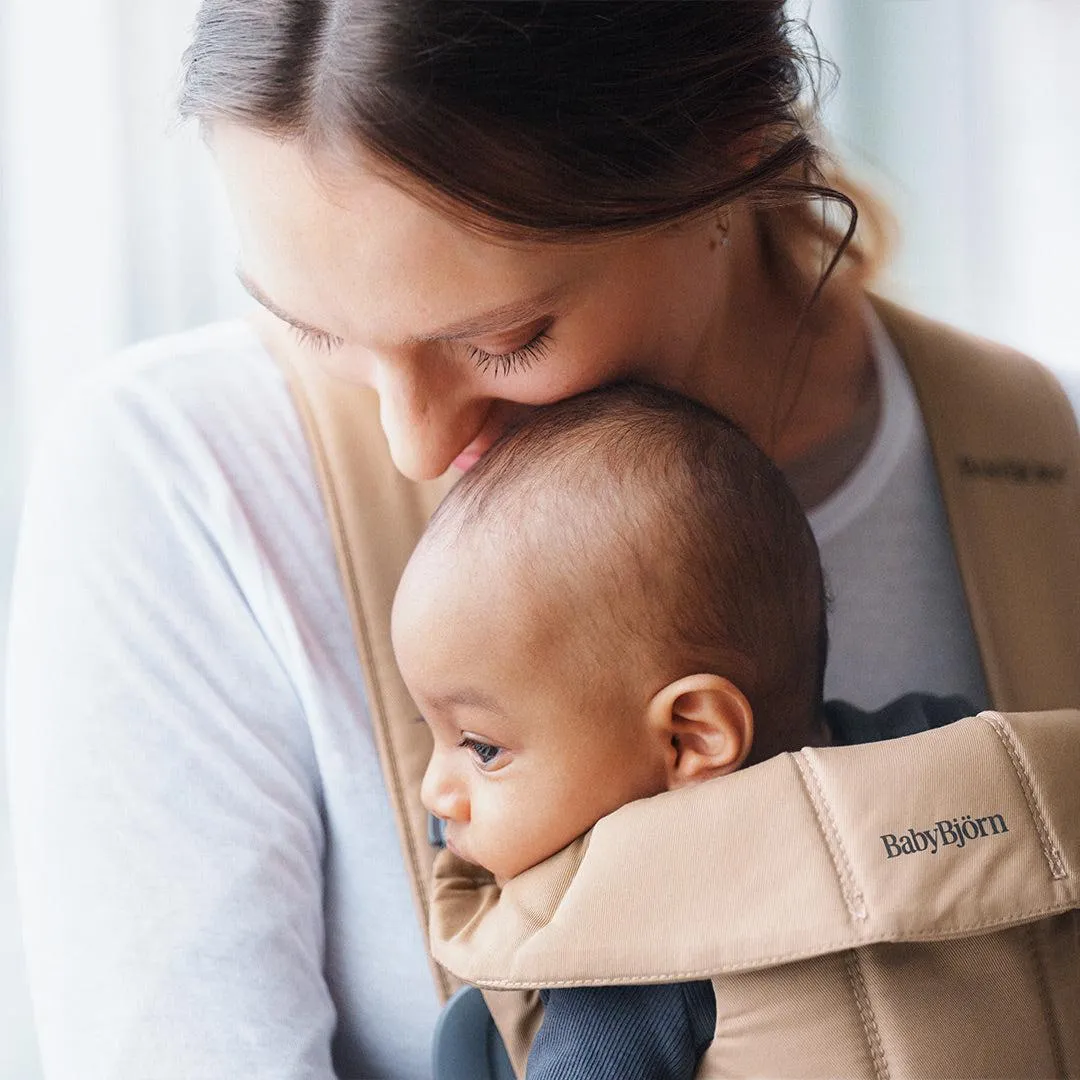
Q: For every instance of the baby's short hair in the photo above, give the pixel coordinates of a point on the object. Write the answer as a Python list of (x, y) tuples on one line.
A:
[(682, 540)]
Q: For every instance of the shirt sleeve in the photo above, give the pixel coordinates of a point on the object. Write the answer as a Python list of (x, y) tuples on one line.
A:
[(623, 1032), (165, 797)]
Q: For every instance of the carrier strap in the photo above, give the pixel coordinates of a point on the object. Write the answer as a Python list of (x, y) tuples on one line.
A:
[(1005, 444), (376, 517)]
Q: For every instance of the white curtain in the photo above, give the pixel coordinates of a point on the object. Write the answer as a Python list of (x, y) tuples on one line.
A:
[(113, 228), (961, 111)]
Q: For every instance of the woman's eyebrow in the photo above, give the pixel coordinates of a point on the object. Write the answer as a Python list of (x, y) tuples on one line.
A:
[(496, 319), (504, 317), (257, 294)]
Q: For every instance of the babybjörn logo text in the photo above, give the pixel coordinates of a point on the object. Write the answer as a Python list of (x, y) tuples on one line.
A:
[(1015, 470), (956, 832)]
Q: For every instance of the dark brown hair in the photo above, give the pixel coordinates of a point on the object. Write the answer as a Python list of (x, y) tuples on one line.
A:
[(673, 537), (558, 120)]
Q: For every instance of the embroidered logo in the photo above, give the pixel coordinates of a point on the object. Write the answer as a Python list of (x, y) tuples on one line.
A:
[(944, 833), (1014, 470)]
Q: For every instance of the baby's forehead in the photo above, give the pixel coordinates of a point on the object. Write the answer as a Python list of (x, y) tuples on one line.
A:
[(488, 564), (495, 606), (558, 561)]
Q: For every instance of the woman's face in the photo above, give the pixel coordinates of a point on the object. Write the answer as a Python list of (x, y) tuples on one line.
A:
[(458, 333)]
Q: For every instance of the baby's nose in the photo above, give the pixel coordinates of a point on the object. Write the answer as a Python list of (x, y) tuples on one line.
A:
[(442, 794)]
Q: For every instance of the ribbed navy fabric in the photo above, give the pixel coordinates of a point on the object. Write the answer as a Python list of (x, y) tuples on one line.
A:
[(907, 715), (660, 1032), (596, 1032)]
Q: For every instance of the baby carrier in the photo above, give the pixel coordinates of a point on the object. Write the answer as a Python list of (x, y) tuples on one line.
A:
[(888, 882)]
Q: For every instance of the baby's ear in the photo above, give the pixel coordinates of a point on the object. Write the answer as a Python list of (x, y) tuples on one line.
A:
[(707, 726)]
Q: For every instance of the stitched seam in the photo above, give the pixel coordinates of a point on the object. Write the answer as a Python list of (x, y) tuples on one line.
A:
[(1053, 1032), (821, 949), (866, 1015), (853, 898), (1008, 740)]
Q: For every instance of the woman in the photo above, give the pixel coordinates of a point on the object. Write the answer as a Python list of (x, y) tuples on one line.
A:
[(474, 209)]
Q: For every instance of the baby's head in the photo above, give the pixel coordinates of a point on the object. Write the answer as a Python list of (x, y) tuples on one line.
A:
[(622, 597)]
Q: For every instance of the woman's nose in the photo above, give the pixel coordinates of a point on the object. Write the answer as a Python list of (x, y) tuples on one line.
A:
[(427, 421), (442, 794)]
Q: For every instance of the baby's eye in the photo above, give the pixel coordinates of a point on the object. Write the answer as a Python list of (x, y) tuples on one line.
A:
[(485, 753)]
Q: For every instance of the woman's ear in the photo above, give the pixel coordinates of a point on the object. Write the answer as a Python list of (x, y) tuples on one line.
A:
[(707, 726)]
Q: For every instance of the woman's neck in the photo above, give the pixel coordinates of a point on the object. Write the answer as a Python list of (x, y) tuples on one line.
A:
[(807, 391)]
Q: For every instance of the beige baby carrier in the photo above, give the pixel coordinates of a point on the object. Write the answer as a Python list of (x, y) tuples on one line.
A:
[(898, 909)]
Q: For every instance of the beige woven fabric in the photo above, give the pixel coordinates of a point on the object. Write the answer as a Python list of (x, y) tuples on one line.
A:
[(1007, 453), (905, 908)]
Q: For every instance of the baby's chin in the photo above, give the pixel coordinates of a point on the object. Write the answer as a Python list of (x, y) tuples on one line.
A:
[(502, 873), (498, 873)]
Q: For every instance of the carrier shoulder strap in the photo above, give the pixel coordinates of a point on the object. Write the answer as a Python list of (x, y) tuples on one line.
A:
[(376, 517), (1005, 445)]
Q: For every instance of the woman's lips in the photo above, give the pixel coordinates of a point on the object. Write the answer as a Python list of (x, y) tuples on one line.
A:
[(502, 418), (476, 450), (467, 459)]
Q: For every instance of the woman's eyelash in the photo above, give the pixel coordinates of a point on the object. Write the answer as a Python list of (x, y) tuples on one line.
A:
[(499, 363), (315, 339), (509, 363)]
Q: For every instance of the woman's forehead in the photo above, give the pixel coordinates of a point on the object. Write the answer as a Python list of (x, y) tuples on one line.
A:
[(330, 248)]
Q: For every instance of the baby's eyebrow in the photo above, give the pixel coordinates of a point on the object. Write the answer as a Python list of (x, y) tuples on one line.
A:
[(470, 698)]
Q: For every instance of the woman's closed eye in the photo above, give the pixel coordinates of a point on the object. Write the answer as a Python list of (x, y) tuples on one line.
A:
[(316, 340), (509, 363), (487, 755)]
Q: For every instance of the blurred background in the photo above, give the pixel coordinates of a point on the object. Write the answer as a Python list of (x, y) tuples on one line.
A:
[(112, 227)]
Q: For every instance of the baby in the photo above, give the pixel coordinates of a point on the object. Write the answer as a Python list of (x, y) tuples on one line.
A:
[(623, 597)]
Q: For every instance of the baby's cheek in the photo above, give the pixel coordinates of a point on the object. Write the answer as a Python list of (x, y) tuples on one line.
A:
[(532, 831), (503, 833), (574, 809)]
